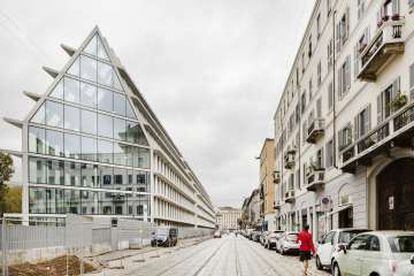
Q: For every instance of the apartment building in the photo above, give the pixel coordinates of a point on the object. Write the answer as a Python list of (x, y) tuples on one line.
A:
[(251, 210), (93, 146), (343, 126), (266, 186), (228, 218)]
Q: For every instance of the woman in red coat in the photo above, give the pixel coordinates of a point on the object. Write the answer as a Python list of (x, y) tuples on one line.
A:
[(306, 248)]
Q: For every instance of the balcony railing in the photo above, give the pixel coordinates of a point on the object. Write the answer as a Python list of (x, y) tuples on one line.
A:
[(315, 179), (290, 196), (386, 43), (315, 130), (290, 159), (394, 131), (277, 205)]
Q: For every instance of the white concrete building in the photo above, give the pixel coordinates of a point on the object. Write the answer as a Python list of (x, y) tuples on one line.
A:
[(344, 122), (228, 217), (93, 146)]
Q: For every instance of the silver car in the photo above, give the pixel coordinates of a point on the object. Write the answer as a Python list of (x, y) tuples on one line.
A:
[(272, 238), (377, 253), (288, 243)]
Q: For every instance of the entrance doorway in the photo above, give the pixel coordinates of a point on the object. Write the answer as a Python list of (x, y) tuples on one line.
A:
[(346, 218), (395, 189)]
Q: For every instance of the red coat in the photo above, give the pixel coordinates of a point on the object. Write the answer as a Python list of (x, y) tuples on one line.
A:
[(306, 242)]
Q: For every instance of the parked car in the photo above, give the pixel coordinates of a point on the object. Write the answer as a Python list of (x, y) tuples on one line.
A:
[(217, 234), (288, 243), (272, 238), (164, 237), (256, 236), (377, 253), (330, 243), (262, 237)]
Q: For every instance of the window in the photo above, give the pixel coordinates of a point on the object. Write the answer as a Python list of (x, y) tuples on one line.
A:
[(344, 78), (345, 137), (120, 154), (37, 140), (363, 122), (107, 76), (119, 129), (72, 173), (329, 154), (88, 148), (401, 244), (57, 90), (310, 47), (54, 143), (72, 146), (88, 122), (318, 26), (361, 8), (88, 68), (329, 238), (330, 53), (54, 114), (319, 74), (71, 90), (386, 100), (359, 243), (105, 126), (342, 30), (37, 170), (72, 118), (88, 94), (330, 96), (119, 104), (89, 175), (319, 158), (105, 151), (55, 172), (105, 99)]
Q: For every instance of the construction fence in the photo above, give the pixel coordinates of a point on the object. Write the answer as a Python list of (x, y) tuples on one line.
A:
[(44, 239)]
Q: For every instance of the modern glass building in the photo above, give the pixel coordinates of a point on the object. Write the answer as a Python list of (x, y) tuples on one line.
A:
[(93, 146)]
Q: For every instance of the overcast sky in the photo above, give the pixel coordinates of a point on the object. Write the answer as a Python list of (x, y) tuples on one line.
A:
[(211, 70)]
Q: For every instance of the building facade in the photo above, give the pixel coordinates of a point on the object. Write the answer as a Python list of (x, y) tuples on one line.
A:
[(93, 146), (344, 122), (251, 210), (228, 218), (267, 185)]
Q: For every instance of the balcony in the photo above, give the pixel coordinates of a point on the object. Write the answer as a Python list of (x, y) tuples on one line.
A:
[(315, 130), (396, 131), (290, 196), (276, 177), (290, 159), (315, 179), (277, 205), (386, 44)]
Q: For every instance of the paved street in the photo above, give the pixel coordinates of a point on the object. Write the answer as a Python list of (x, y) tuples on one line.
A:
[(226, 256)]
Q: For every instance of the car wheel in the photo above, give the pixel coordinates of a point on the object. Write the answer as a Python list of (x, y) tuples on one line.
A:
[(319, 265), (335, 270), (282, 251)]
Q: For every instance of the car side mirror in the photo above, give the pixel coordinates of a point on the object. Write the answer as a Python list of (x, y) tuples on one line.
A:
[(342, 247), (412, 260)]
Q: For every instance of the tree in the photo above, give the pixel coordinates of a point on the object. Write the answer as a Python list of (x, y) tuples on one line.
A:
[(14, 199), (6, 172)]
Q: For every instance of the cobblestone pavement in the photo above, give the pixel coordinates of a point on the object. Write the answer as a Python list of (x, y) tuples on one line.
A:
[(227, 256)]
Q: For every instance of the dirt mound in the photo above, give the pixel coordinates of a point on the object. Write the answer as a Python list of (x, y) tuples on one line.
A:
[(54, 267)]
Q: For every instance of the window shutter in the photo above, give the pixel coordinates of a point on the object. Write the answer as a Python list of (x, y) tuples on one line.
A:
[(380, 110), (369, 117), (347, 19), (340, 83), (348, 73), (395, 7), (340, 138), (395, 87), (356, 60), (338, 37)]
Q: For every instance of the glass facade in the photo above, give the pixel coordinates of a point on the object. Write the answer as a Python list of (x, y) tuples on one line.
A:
[(86, 144)]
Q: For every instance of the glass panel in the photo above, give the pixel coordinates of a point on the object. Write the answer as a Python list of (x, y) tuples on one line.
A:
[(105, 176), (91, 48), (54, 143), (88, 148), (105, 150), (89, 202), (134, 134), (61, 205), (88, 68), (120, 156), (72, 118), (37, 201), (141, 158), (54, 114), (37, 171), (57, 91), (105, 126), (71, 90), (55, 172), (129, 155), (101, 50), (119, 104), (74, 68), (105, 99), (88, 123), (73, 200), (50, 201), (72, 146), (72, 173), (40, 115), (88, 94), (89, 175), (37, 138), (119, 129), (106, 74), (129, 112)]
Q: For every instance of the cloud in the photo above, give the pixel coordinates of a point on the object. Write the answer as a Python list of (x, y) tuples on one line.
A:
[(211, 70)]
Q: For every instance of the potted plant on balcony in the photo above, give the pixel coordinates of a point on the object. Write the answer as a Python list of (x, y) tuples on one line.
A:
[(399, 101), (395, 17)]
